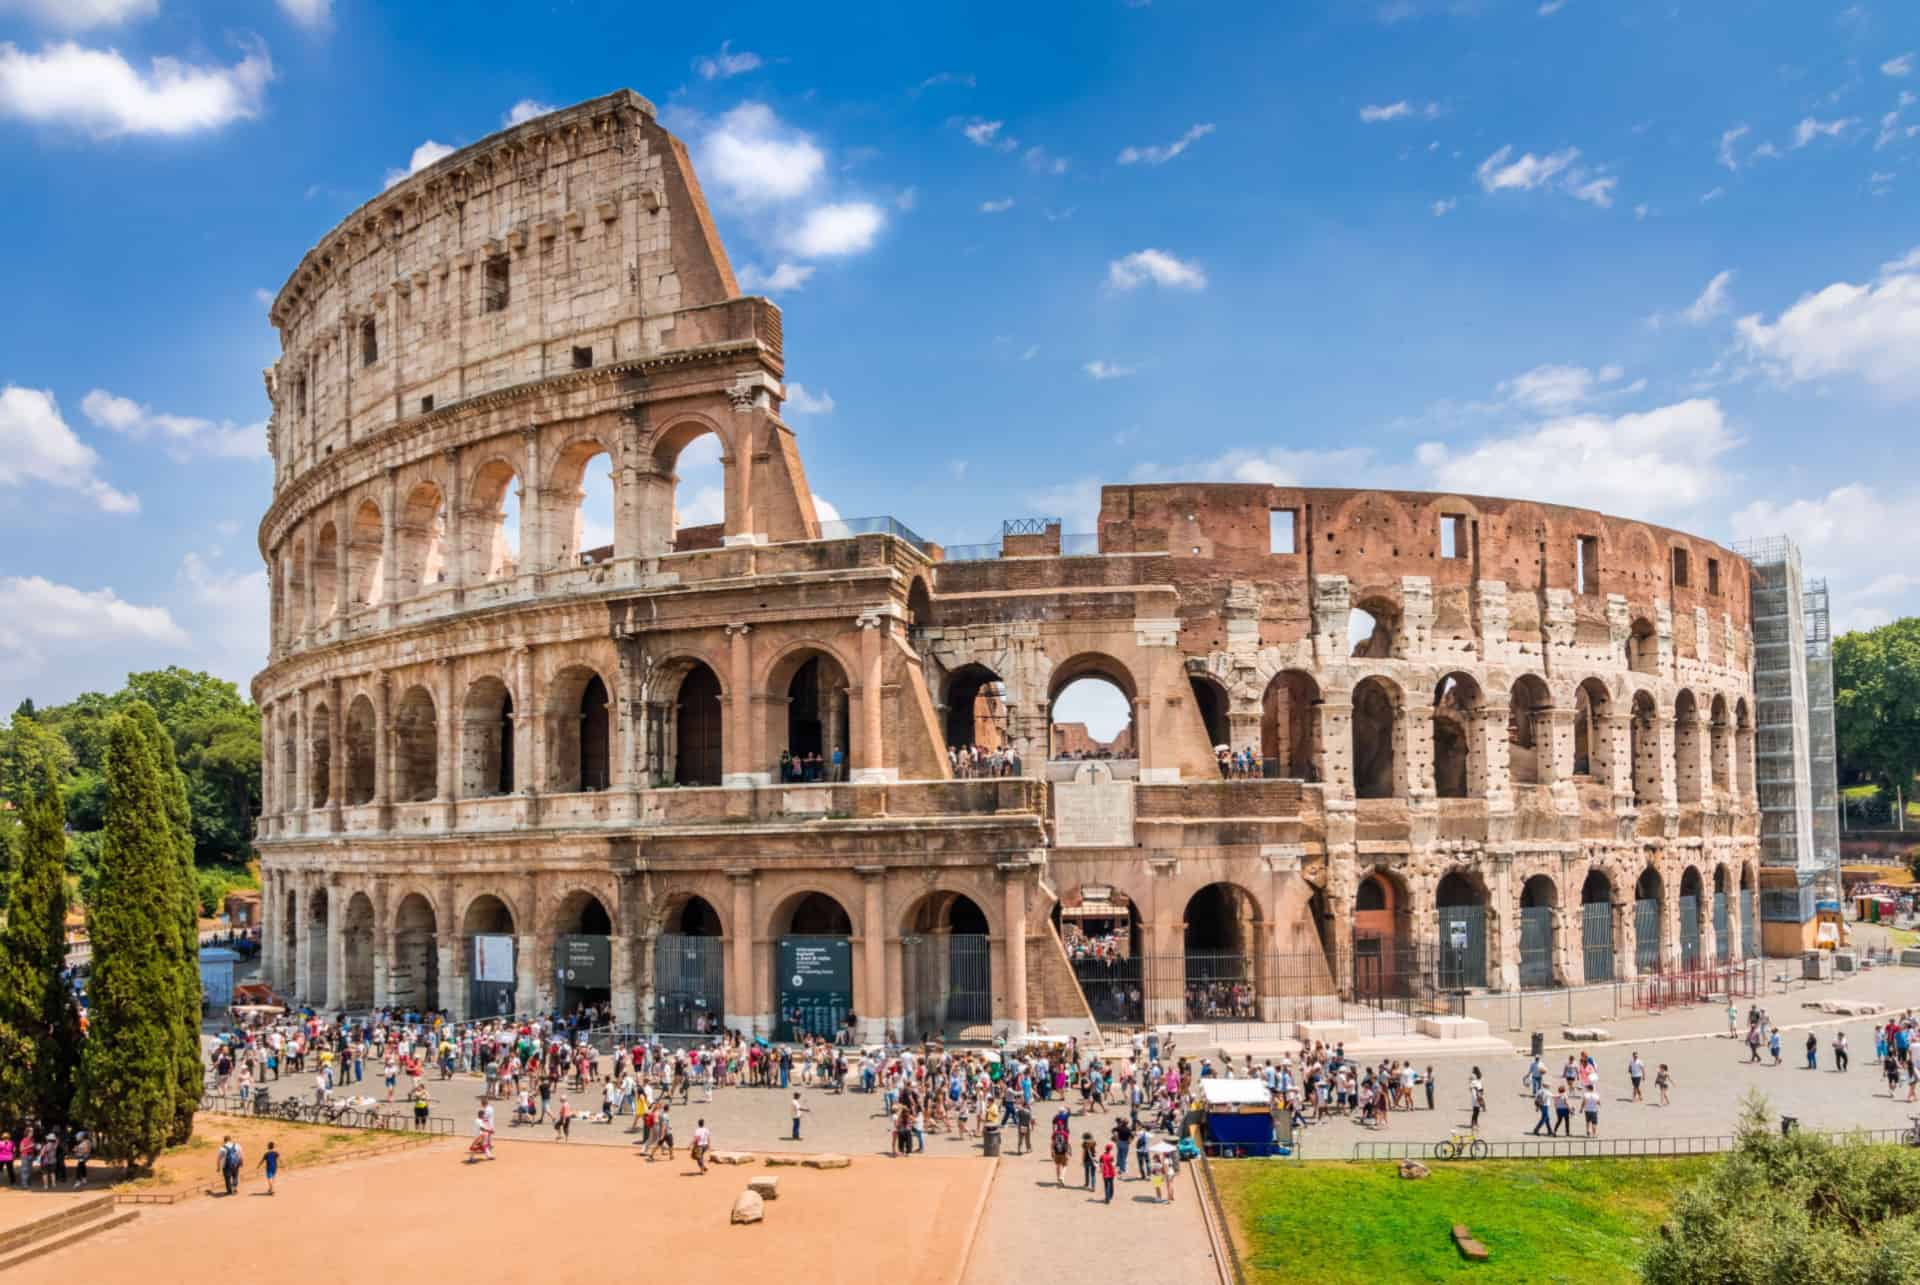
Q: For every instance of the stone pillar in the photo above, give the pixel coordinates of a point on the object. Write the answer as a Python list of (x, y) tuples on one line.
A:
[(738, 770), (1505, 899), (746, 1008), (741, 526), (527, 769), (302, 939), (1620, 759), (1491, 728), (535, 549), (1556, 763), (382, 945), (389, 547), (268, 775), (383, 746), (310, 609), (868, 753), (873, 952), (336, 755), (446, 742), (1413, 757), (1014, 933), (1709, 936), (342, 547), (1663, 725), (302, 738), (451, 948), (455, 562), (1335, 753), (626, 698), (531, 980), (335, 943), (627, 916)]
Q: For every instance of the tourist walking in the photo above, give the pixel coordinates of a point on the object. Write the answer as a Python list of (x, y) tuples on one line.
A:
[(1591, 1103), (1663, 1080), (1476, 1098), (1107, 1170), (1636, 1071), (228, 1159), (270, 1163), (1813, 1051), (1839, 1050), (798, 1111), (702, 1143)]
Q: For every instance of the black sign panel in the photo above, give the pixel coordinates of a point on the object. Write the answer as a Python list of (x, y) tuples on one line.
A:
[(815, 986), (584, 961)]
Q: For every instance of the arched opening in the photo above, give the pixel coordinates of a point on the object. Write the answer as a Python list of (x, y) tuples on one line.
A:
[(1749, 913), (413, 974), (366, 558), (486, 740), (492, 966), (1719, 746), (1385, 958), (1643, 647), (698, 728), (1373, 629), (356, 954), (583, 496), (976, 718), (1596, 927), (1458, 769), (1376, 715), (1462, 905), (1102, 934), (1722, 919), (815, 735), (416, 736), (1592, 755), (813, 968), (1221, 937), (316, 979), (583, 955), (581, 754), (690, 473), (1529, 734), (1090, 710), (1742, 749), (919, 604), (294, 580), (320, 761), (288, 978), (1690, 886), (947, 969), (1688, 741), (1539, 898), (690, 970), (490, 531), (1644, 746), (420, 537), (286, 784), (1647, 946), (326, 575), (362, 763), (1290, 726), (1210, 699)]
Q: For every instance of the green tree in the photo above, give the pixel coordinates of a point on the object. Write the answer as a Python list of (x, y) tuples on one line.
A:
[(127, 1073), (185, 899), (36, 1010), (1876, 679), (1798, 1208)]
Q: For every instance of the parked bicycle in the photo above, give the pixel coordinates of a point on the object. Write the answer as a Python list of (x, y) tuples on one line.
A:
[(1462, 1142)]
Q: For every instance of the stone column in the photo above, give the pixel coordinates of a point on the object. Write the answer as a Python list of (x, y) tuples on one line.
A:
[(1491, 727), (741, 526), (1620, 764), (1709, 936), (527, 769), (302, 939), (1663, 726), (1335, 753), (310, 610), (737, 768), (335, 943), (744, 1003), (269, 924), (627, 916), (534, 546), (1505, 899), (336, 755), (342, 547), (455, 562), (868, 754), (1014, 933), (268, 782), (1413, 759), (626, 700), (302, 738), (389, 547), (383, 746), (873, 951), (451, 949), (1556, 764), (446, 743), (382, 945)]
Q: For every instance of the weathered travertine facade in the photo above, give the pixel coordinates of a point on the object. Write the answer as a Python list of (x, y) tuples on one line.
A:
[(475, 727)]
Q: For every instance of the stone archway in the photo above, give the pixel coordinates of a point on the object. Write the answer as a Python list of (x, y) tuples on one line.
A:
[(413, 969), (813, 976), (356, 950), (946, 968), (690, 969)]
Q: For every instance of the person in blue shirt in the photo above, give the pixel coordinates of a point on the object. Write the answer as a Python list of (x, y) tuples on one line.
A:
[(271, 1163)]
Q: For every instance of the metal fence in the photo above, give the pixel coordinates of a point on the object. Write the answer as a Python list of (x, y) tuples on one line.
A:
[(844, 528), (1596, 1148), (948, 983), (1722, 938), (1700, 985), (1213, 988), (689, 983), (1536, 947), (338, 1113), (1596, 940), (1646, 936), (1689, 933), (1463, 947), (1749, 935)]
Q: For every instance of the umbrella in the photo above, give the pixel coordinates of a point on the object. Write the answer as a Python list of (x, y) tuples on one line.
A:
[(1161, 1148), (1223, 749)]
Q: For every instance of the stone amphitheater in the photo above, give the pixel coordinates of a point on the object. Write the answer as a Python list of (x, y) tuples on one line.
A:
[(1483, 744)]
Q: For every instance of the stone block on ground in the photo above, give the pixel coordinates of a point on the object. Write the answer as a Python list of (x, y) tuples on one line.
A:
[(730, 1158), (1585, 1034), (766, 1186), (748, 1208), (1453, 1028), (783, 1162), (1470, 1248), (1845, 1007), (828, 1161), (1413, 1169)]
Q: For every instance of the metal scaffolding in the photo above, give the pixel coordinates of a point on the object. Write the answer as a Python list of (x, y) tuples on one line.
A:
[(1822, 769)]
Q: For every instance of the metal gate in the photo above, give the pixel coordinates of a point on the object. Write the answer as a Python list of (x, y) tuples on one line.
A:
[(1689, 933), (1749, 945), (948, 982), (1722, 939), (1115, 989), (689, 984), (1646, 936), (1463, 947), (1596, 940), (1221, 988), (1536, 947)]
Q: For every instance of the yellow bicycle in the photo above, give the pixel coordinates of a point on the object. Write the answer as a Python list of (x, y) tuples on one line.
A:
[(1462, 1142)]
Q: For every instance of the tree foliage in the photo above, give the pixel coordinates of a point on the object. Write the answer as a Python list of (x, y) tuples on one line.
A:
[(1786, 1210), (184, 899), (1876, 679), (37, 1014)]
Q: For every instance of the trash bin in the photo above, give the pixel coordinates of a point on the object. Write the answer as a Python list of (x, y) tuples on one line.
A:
[(990, 1140), (1539, 1043), (1788, 1123)]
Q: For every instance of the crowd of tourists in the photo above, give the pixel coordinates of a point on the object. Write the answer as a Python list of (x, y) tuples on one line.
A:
[(39, 1157), (970, 761), (811, 768)]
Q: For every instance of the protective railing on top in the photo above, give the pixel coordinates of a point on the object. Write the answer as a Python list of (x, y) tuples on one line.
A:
[(342, 1112), (846, 528), (1594, 1148)]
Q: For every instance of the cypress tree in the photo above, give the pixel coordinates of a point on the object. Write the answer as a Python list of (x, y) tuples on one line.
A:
[(189, 1065), (39, 1026), (128, 1081)]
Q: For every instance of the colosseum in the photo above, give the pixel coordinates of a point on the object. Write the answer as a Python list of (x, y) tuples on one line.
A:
[(1475, 744)]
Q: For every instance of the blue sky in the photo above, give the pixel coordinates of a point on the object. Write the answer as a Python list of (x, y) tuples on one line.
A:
[(1659, 259)]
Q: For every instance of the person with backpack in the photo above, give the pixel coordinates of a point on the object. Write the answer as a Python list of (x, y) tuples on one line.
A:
[(229, 1160)]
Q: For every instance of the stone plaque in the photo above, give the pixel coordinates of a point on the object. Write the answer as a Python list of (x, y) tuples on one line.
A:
[(1093, 810)]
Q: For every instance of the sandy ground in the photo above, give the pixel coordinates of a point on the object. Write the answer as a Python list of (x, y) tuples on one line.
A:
[(19, 1207), (556, 1214)]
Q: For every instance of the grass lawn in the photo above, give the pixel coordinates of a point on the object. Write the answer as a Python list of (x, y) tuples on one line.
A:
[(1585, 1221)]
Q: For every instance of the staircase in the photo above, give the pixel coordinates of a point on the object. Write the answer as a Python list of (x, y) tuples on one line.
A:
[(1053, 992), (73, 1223)]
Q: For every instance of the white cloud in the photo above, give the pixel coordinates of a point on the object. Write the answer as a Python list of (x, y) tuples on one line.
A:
[(1000, 206), (1891, 130), (784, 278), (263, 296), (1662, 462), (1809, 129), (311, 14), (1901, 66), (38, 615), (829, 231), (755, 159), (825, 509), (424, 155), (80, 15), (99, 92), (1870, 332), (1641, 210), (1712, 195), (1501, 171), (184, 432), (1596, 191), (1158, 267), (1161, 153), (1374, 114), (1844, 535), (1713, 301), (1443, 207), (525, 110), (1032, 351), (906, 199), (726, 63), (38, 449), (1728, 139), (1550, 7), (1041, 161), (1555, 389), (234, 605), (986, 133), (1276, 466), (1104, 370), (1076, 503), (802, 401), (945, 78)]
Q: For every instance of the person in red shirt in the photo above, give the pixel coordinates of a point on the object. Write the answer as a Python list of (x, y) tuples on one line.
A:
[(1107, 1168)]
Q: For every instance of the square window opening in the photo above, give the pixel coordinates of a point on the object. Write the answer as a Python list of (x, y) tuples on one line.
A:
[(1586, 565), (369, 343), (582, 358), (1280, 531), (1453, 535), (494, 282), (426, 403), (1680, 569), (1713, 576)]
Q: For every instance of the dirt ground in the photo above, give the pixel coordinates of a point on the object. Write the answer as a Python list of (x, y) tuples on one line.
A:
[(191, 1166), (905, 1221)]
